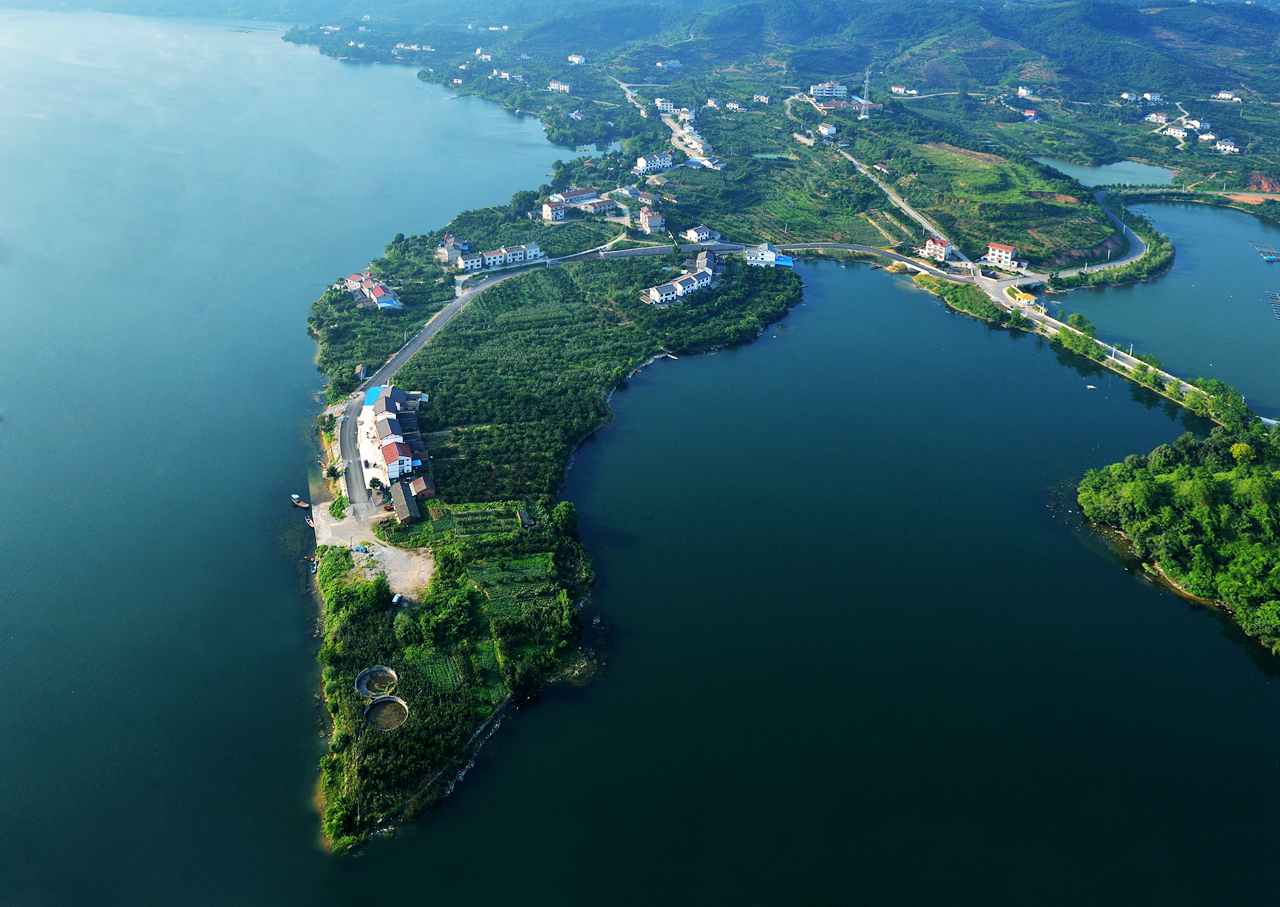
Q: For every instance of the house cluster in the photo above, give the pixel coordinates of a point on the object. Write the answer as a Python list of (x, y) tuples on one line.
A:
[(652, 163), (390, 442), (587, 201), (1226, 146), (936, 248), (684, 285), (1002, 255), (903, 91), (766, 255), (557, 85), (576, 59), (371, 292), (453, 252), (1228, 96)]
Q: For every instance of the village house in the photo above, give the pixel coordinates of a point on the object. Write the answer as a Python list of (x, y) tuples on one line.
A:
[(1195, 124), (595, 206), (1152, 97), (1024, 91), (669, 64), (651, 221), (1031, 113), (577, 59), (557, 85), (733, 105), (1227, 96), (398, 459), (1159, 118), (369, 291), (469, 261), (450, 248), (652, 163), (700, 233), (683, 285), (828, 90), (456, 81), (1207, 137), (766, 255), (898, 89), (553, 211), (760, 99), (1128, 96), (572, 196), (1001, 255), (664, 105), (404, 504), (1176, 132), (712, 103), (1226, 146), (937, 248), (382, 436), (826, 130)]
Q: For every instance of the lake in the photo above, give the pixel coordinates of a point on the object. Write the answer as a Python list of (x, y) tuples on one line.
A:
[(1130, 173), (859, 647)]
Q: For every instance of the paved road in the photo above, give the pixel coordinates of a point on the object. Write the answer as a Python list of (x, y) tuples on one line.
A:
[(1137, 248), (357, 491)]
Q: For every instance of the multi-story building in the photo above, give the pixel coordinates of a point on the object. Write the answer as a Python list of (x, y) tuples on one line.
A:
[(557, 85), (469, 261), (651, 221), (826, 130), (1001, 255), (652, 163), (760, 99), (1226, 146), (937, 248), (829, 90), (664, 105), (700, 233), (577, 59), (553, 211), (766, 255)]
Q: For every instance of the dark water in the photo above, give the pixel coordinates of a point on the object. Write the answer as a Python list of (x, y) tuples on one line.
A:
[(860, 650)]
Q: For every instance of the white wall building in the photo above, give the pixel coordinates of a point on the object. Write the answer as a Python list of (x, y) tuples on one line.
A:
[(1001, 255), (829, 90), (652, 163)]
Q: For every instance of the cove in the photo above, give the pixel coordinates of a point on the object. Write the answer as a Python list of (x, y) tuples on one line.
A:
[(1210, 315)]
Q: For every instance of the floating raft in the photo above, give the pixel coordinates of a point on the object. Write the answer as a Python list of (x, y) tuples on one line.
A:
[(1269, 254)]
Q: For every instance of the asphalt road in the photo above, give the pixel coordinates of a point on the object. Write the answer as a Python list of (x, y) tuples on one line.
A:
[(357, 491)]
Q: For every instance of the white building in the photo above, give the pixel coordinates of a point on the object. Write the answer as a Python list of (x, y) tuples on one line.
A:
[(1226, 146), (652, 163), (700, 233), (1176, 132), (1160, 118), (494, 257), (898, 89), (1227, 96), (664, 105), (733, 105), (760, 99), (829, 90), (1207, 137), (1001, 255), (1128, 96), (712, 103), (469, 261), (651, 221), (937, 248), (552, 211), (577, 59), (1152, 97), (663, 293), (1024, 91), (1195, 124), (766, 255), (557, 85), (684, 285), (826, 130)]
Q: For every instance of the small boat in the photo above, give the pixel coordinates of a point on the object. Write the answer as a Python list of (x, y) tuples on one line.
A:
[(1091, 387), (298, 502), (311, 522)]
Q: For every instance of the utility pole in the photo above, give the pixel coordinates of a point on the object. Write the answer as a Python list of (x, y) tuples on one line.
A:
[(865, 114)]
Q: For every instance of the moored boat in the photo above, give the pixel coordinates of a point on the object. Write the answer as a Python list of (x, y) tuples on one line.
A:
[(298, 502)]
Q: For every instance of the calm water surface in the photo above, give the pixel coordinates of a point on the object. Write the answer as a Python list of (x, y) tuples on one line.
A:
[(860, 649), (1132, 173)]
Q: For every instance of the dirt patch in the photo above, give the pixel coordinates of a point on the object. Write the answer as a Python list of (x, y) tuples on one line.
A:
[(1259, 182), (1248, 199), (980, 156), (1058, 197)]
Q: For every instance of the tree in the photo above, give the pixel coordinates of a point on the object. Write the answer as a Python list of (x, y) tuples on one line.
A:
[(1242, 453)]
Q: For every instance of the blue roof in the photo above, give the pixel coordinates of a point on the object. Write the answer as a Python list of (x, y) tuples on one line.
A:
[(372, 394), (784, 261)]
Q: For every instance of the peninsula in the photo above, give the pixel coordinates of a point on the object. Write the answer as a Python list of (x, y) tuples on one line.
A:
[(464, 366)]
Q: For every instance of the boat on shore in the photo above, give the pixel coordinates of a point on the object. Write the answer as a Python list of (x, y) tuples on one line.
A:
[(298, 502)]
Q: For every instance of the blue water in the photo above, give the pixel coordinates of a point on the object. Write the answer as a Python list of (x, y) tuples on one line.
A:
[(1131, 173)]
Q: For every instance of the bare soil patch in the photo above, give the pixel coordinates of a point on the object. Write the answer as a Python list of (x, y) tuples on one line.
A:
[(980, 156)]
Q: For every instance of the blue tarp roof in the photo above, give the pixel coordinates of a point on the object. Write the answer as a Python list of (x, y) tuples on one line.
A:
[(784, 261), (372, 394)]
